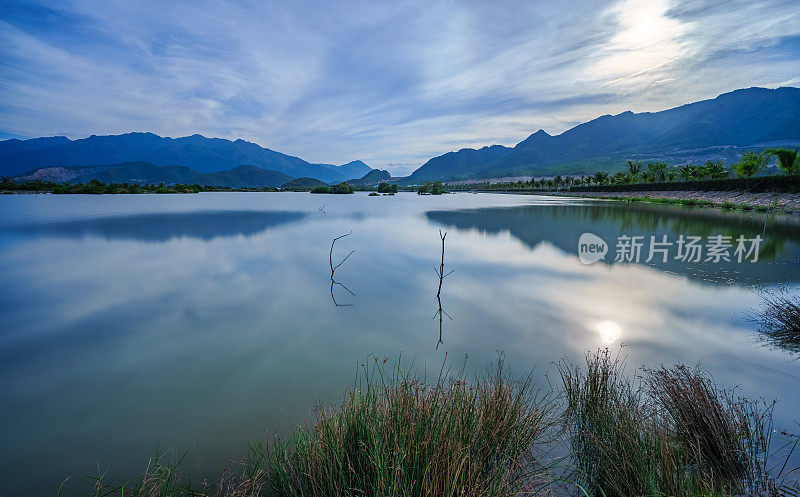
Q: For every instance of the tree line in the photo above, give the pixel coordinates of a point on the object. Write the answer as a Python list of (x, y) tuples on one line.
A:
[(97, 187), (749, 166)]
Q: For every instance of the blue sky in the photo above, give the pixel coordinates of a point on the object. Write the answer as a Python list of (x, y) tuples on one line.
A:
[(390, 83)]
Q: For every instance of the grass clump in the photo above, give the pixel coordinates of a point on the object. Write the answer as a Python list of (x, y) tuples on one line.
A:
[(162, 478), (396, 435), (608, 429), (665, 432), (779, 320), (671, 432)]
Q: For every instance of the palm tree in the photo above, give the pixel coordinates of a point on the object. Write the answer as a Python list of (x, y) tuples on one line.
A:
[(658, 170), (600, 177), (634, 167), (788, 160), (715, 170), (686, 172), (750, 164)]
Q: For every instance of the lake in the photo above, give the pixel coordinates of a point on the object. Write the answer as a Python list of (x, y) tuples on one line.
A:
[(132, 323)]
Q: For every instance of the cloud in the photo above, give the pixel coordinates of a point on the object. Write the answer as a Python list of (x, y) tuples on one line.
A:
[(389, 84)]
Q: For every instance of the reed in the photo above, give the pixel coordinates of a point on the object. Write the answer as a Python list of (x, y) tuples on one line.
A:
[(396, 435), (779, 320), (663, 432), (669, 432)]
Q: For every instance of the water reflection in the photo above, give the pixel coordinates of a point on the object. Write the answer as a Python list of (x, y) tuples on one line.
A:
[(442, 275), (335, 283), (562, 226), (779, 320), (162, 227), (110, 348)]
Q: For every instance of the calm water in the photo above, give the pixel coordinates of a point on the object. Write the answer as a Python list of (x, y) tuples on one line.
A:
[(129, 323)]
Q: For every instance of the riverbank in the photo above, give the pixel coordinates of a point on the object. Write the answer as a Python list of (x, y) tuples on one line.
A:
[(772, 202)]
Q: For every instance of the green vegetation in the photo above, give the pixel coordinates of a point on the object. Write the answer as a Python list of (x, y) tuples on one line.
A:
[(694, 203), (713, 175), (673, 433), (387, 188), (779, 320), (788, 160), (395, 435), (342, 188), (302, 184), (689, 202), (664, 432), (750, 164), (434, 188), (95, 187)]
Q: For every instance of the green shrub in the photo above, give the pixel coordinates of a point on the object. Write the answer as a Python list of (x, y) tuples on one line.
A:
[(387, 188), (435, 188), (342, 188), (321, 189)]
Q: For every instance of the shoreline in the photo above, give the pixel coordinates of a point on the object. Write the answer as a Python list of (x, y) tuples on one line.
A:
[(784, 203)]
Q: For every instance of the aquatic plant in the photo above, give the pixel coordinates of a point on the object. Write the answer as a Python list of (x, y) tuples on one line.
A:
[(779, 320), (671, 432), (393, 434), (667, 432)]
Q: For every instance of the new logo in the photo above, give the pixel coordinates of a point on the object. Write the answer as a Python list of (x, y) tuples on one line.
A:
[(591, 248)]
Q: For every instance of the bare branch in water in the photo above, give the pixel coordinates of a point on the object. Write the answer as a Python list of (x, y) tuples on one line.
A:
[(441, 274), (335, 267)]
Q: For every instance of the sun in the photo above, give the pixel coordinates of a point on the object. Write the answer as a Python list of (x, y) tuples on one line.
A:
[(609, 331)]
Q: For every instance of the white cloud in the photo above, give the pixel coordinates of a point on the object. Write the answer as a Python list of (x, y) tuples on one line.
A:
[(380, 82)]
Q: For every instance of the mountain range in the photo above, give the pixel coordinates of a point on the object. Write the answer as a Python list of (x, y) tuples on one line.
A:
[(720, 128), (196, 152)]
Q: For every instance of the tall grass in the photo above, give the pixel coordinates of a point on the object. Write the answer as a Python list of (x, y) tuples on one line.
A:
[(395, 435), (779, 320), (670, 432), (161, 478), (610, 431), (664, 432)]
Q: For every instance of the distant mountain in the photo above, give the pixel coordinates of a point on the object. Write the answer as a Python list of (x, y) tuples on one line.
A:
[(204, 155), (146, 173), (125, 172), (302, 184), (243, 177), (710, 129), (354, 169), (372, 178)]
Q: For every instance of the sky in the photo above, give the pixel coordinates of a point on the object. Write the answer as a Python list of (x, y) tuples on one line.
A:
[(390, 83)]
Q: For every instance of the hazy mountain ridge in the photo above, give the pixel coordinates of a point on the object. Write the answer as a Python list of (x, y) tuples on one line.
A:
[(244, 176), (372, 178), (146, 173), (203, 155), (717, 128)]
